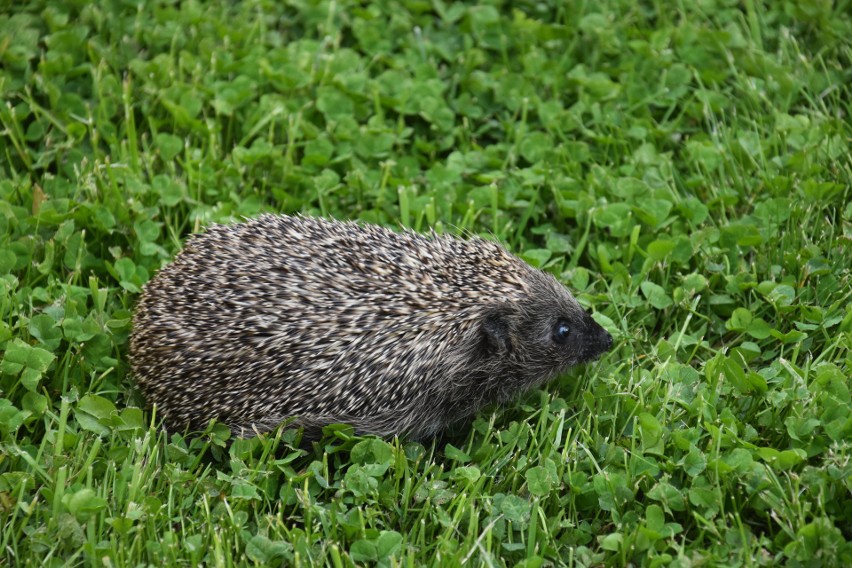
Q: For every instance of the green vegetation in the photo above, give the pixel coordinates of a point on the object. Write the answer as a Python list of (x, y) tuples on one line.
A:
[(684, 167)]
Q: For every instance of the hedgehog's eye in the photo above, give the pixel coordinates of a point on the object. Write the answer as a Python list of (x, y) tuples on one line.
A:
[(561, 331)]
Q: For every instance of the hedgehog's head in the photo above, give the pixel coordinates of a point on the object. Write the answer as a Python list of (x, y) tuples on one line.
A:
[(541, 334)]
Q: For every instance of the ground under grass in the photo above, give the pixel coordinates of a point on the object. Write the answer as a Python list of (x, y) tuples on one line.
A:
[(684, 167)]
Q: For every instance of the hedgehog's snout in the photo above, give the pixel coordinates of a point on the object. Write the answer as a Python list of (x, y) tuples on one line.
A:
[(597, 340)]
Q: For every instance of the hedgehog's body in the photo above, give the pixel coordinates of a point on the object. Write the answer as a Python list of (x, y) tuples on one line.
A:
[(325, 321)]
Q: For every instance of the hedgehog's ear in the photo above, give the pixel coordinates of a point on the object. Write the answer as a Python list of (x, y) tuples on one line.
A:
[(496, 331)]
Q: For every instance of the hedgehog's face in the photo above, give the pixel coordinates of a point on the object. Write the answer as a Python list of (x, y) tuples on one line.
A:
[(544, 335), (574, 339)]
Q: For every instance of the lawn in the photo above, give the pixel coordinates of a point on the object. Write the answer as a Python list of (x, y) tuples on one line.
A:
[(683, 167)]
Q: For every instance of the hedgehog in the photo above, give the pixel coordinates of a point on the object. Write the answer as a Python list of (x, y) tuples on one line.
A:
[(309, 322)]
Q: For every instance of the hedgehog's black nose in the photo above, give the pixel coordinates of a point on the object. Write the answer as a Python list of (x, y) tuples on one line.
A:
[(606, 341), (600, 343), (597, 342)]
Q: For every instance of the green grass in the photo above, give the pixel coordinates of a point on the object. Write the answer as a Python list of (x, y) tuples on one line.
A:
[(684, 167)]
